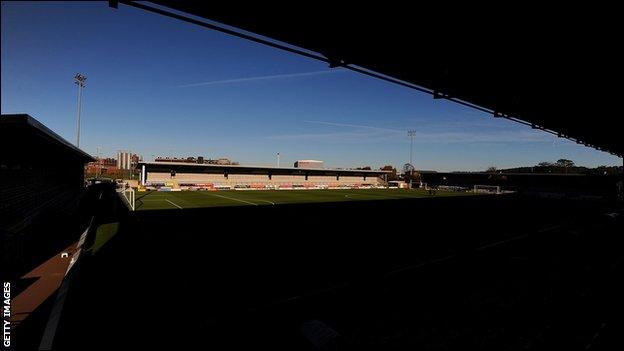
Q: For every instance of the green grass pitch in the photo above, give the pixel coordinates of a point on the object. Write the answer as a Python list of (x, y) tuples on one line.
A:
[(193, 199)]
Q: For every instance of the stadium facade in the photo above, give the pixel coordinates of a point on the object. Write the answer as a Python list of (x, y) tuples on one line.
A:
[(205, 176)]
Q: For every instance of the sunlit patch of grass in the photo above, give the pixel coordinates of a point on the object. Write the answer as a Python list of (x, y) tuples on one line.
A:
[(103, 234)]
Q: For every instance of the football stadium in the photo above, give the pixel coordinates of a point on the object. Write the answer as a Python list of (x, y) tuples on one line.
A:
[(187, 253)]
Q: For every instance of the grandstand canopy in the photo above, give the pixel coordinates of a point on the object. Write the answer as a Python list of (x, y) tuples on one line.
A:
[(23, 139), (552, 69)]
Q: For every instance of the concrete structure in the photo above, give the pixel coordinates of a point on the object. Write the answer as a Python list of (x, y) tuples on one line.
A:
[(124, 160)]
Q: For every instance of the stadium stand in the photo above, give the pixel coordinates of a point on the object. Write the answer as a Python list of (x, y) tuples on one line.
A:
[(249, 177), (42, 181)]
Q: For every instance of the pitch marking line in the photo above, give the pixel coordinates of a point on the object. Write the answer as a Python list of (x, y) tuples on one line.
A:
[(272, 203), (231, 198), (173, 204)]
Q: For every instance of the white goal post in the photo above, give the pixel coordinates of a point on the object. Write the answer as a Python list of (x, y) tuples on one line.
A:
[(491, 189), (128, 196)]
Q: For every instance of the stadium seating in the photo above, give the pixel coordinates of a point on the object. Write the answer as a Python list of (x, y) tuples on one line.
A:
[(258, 181)]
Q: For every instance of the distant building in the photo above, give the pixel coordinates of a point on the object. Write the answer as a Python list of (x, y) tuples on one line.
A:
[(104, 162), (101, 166), (176, 159), (199, 160), (135, 159), (109, 162), (223, 161), (124, 160), (308, 164), (179, 159)]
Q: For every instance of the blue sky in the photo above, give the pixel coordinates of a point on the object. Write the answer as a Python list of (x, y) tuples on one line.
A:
[(158, 86)]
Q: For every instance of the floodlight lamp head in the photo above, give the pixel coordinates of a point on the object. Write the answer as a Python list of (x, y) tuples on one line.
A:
[(80, 79)]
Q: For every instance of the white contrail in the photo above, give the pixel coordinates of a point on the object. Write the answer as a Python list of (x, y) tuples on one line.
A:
[(254, 79), (353, 126)]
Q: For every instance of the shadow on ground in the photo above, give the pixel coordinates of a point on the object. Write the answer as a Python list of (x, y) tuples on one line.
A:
[(499, 272)]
